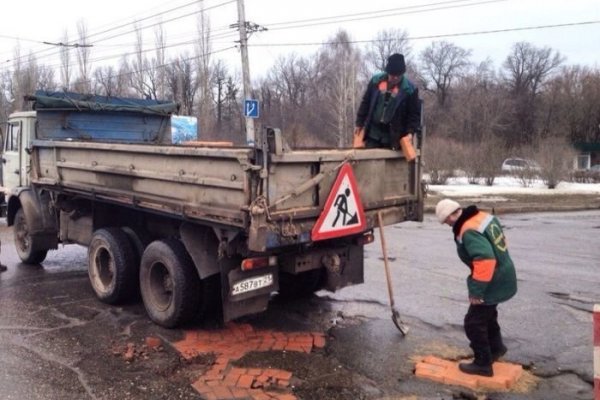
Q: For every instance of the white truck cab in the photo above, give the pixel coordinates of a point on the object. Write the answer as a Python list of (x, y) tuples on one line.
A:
[(16, 162)]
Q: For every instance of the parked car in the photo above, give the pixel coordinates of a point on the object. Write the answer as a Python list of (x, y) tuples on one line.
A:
[(519, 164)]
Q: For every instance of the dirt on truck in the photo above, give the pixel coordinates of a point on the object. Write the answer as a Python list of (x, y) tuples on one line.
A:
[(195, 228)]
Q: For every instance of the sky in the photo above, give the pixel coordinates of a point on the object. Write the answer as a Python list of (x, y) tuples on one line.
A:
[(300, 26)]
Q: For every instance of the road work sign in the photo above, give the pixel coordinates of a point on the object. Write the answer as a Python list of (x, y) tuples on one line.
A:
[(343, 213)]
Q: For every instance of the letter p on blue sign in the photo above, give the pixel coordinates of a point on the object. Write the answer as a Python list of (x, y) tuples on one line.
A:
[(251, 108)]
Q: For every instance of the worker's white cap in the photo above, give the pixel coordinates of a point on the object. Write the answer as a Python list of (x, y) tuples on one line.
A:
[(444, 208)]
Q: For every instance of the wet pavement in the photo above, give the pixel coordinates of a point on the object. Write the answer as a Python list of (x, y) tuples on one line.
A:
[(58, 342)]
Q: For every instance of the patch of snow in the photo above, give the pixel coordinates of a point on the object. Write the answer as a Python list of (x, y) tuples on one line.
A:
[(510, 185)]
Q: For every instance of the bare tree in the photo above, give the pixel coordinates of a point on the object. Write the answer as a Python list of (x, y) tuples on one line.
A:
[(443, 62), (24, 79), (83, 83), (183, 83), (555, 156), (65, 63), (386, 43), (106, 80), (158, 63), (526, 69), (571, 105), (140, 68), (204, 72), (342, 93)]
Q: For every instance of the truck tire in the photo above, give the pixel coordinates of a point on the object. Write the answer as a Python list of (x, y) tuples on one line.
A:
[(24, 243), (169, 283), (111, 266)]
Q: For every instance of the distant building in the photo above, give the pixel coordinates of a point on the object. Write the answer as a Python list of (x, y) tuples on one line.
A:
[(588, 155)]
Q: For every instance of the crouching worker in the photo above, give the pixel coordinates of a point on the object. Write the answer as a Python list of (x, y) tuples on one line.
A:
[(481, 244)]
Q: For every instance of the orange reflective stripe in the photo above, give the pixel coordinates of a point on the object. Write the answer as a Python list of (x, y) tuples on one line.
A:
[(476, 223), (383, 87), (483, 270)]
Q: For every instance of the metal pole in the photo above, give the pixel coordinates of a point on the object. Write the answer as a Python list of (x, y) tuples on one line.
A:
[(250, 136), (596, 328)]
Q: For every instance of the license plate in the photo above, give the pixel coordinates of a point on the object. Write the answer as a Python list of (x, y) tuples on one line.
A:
[(250, 284)]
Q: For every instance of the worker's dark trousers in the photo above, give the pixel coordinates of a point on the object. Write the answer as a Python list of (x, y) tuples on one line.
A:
[(482, 329)]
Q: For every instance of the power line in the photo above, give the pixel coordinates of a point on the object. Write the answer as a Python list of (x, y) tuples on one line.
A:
[(351, 18), (436, 36), (141, 28), (365, 13)]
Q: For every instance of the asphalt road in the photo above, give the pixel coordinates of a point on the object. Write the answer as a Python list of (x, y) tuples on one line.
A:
[(58, 342)]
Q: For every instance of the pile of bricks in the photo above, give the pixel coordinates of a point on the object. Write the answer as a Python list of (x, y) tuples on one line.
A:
[(447, 372), (223, 381)]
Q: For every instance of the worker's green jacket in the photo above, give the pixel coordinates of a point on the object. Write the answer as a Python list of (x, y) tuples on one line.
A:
[(482, 246)]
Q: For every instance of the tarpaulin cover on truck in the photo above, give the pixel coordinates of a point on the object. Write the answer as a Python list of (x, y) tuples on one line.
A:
[(66, 101)]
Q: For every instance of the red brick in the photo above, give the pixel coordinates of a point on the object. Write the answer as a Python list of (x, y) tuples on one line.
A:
[(245, 381), (254, 371), (241, 393), (223, 392), (286, 396), (153, 342), (319, 342), (260, 395), (281, 374)]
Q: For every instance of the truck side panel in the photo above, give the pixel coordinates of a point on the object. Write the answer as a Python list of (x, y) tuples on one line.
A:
[(205, 184)]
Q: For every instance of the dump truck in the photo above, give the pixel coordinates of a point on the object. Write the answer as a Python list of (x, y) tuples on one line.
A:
[(196, 229)]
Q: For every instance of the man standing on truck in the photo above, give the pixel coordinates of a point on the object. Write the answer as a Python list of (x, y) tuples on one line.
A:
[(390, 108), (481, 244)]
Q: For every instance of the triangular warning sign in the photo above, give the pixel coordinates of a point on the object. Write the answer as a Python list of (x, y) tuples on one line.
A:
[(343, 213)]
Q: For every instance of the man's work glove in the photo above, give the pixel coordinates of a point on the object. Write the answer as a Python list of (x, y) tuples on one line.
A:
[(358, 138), (475, 301), (407, 147)]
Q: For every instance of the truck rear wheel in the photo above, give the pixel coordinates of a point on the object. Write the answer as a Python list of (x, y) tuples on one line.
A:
[(24, 243), (169, 283), (111, 265)]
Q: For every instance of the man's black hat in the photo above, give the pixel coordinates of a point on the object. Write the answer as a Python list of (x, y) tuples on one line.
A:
[(395, 64)]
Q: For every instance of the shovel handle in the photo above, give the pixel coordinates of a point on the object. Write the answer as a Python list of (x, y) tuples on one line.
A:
[(385, 259)]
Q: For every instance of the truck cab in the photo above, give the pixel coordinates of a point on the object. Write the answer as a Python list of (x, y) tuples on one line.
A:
[(16, 162)]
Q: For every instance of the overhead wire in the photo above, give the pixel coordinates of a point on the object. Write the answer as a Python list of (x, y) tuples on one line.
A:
[(56, 52), (228, 32), (444, 35)]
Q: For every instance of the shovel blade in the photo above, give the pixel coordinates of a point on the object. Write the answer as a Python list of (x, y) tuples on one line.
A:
[(402, 327)]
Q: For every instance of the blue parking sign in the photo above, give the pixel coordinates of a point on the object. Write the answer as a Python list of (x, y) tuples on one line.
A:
[(251, 108)]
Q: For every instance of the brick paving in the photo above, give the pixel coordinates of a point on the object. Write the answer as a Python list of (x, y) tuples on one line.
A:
[(225, 382), (447, 372)]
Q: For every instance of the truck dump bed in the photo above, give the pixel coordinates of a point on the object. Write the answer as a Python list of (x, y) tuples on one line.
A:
[(273, 194)]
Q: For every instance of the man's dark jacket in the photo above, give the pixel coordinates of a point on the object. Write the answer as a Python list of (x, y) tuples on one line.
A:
[(404, 113)]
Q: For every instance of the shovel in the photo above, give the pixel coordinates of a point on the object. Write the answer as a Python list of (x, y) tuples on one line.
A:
[(395, 314)]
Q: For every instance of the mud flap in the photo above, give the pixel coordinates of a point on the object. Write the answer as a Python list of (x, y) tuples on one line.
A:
[(246, 292), (344, 267)]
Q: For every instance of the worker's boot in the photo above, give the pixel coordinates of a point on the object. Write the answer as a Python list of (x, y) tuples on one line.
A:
[(481, 365), (498, 352), (475, 369), (496, 345)]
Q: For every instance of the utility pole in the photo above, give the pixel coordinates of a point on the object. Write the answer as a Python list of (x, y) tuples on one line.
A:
[(246, 28), (250, 134)]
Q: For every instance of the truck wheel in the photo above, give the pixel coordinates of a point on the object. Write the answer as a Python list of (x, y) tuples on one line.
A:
[(111, 265), (24, 242), (169, 283), (300, 285)]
